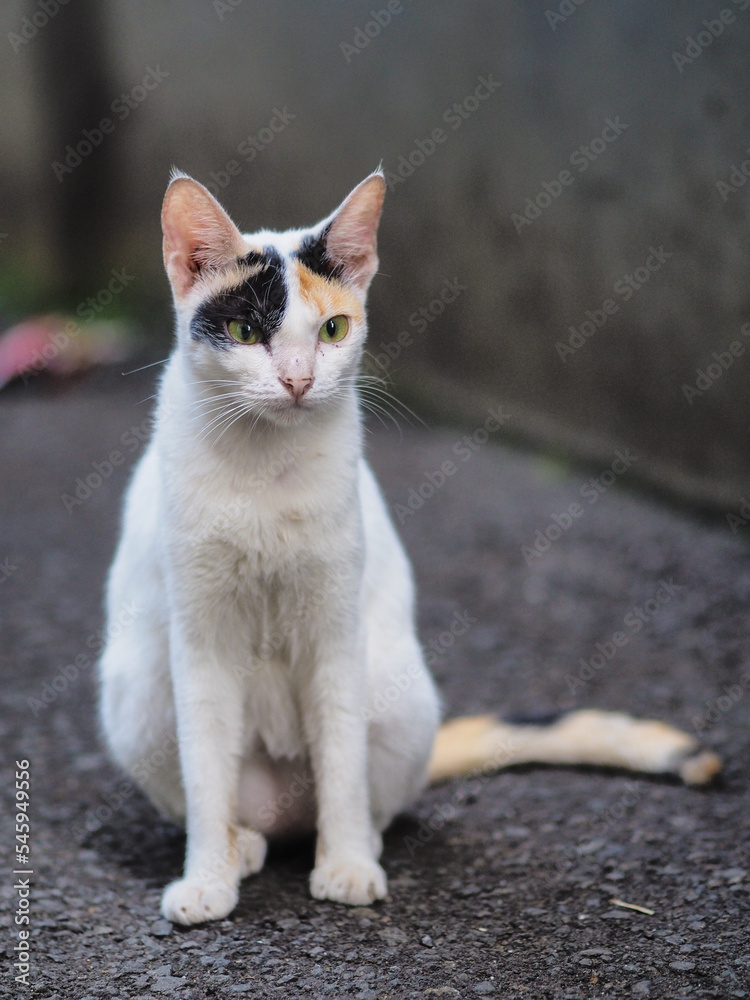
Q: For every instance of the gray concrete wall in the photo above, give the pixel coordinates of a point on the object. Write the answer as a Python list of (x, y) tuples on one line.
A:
[(577, 185)]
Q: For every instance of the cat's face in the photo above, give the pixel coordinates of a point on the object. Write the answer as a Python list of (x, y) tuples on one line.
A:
[(272, 325)]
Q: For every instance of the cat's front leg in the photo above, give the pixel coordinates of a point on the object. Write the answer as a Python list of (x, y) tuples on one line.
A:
[(346, 870), (209, 709)]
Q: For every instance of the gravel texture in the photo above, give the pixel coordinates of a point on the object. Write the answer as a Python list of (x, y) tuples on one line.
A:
[(500, 886)]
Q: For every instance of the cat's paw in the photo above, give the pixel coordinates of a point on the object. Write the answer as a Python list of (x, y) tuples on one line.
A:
[(357, 882), (190, 901), (251, 846)]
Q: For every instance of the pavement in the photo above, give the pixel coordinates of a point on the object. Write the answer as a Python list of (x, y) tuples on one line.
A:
[(501, 886)]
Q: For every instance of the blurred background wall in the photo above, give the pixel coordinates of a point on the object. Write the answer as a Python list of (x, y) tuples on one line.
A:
[(566, 232)]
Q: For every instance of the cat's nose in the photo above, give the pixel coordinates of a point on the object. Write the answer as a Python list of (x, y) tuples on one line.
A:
[(297, 386)]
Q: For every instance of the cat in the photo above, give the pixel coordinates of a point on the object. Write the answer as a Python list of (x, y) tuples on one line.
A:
[(275, 601)]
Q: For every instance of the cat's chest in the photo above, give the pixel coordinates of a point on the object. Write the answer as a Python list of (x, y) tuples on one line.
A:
[(272, 518), (267, 520)]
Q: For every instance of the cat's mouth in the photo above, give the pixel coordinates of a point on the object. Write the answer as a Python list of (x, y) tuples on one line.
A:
[(303, 403), (290, 411)]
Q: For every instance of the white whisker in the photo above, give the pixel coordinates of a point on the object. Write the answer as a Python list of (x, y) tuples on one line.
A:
[(225, 414), (246, 410), (144, 367)]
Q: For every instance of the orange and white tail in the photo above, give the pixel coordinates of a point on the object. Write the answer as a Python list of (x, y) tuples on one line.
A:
[(484, 743)]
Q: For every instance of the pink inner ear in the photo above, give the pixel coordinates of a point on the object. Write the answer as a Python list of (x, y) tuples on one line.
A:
[(198, 234), (352, 238)]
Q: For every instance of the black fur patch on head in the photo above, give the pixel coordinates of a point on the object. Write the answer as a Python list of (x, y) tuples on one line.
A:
[(313, 254), (534, 719), (260, 300)]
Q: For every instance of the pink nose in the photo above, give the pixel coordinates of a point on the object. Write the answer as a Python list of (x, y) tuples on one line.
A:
[(297, 386)]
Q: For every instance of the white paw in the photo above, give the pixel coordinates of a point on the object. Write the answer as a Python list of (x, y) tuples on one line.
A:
[(189, 901), (357, 882), (252, 850)]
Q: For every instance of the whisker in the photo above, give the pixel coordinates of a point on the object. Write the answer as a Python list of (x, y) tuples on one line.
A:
[(257, 418), (214, 425), (217, 381), (220, 400), (376, 409), (226, 413), (232, 423), (394, 401), (144, 367), (378, 417)]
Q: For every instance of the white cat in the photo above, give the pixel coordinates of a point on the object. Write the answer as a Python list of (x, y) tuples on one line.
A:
[(275, 599)]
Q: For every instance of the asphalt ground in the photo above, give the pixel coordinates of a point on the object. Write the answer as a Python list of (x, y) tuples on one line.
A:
[(499, 885)]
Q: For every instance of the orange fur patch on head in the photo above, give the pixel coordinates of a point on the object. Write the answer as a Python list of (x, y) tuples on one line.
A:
[(328, 296)]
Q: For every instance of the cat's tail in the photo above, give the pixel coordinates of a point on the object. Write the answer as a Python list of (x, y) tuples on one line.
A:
[(484, 743)]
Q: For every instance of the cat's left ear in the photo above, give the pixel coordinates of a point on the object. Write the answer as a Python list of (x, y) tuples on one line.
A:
[(351, 235), (199, 236)]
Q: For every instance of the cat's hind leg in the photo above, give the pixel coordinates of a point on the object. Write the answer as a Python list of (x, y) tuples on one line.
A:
[(251, 846), (136, 710), (139, 723), (403, 715)]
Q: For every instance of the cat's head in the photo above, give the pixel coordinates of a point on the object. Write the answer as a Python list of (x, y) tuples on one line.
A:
[(274, 321)]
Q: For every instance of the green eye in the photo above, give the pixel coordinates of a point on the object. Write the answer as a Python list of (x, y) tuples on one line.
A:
[(334, 330), (243, 333)]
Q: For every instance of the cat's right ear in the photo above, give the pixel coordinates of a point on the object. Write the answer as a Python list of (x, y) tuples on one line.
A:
[(199, 236)]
